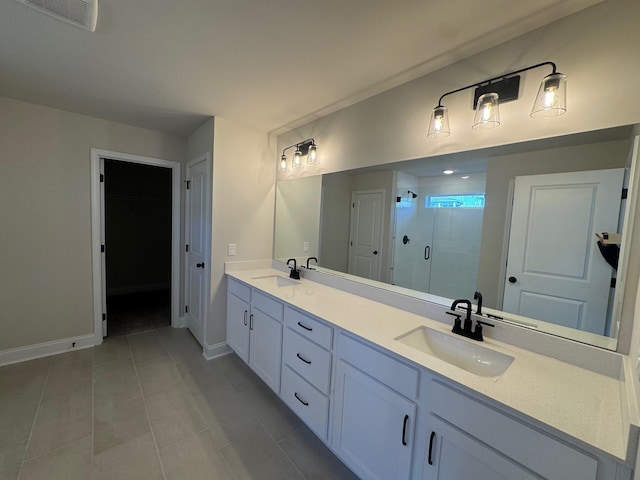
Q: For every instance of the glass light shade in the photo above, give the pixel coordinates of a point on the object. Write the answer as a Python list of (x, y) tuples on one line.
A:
[(487, 112), (439, 123), (297, 159), (551, 100), (283, 162), (312, 156)]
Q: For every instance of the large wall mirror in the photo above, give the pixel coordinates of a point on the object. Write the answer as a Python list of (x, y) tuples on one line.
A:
[(516, 223)]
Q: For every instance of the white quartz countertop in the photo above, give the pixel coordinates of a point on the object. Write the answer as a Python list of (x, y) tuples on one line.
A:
[(582, 404)]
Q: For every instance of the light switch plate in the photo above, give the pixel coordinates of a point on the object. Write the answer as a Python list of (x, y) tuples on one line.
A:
[(231, 249), (306, 246)]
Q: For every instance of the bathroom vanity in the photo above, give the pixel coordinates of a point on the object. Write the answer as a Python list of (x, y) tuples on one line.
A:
[(396, 396)]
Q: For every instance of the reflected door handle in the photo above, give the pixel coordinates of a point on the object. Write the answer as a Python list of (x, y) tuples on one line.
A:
[(200, 265), (427, 252), (375, 252), (513, 279)]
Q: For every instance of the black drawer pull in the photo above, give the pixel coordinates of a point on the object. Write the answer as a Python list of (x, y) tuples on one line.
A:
[(245, 317), (308, 362), (251, 322), (305, 327), (430, 458), (306, 404), (404, 430)]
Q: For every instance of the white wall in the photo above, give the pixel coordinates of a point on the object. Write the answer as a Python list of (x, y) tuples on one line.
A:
[(298, 218), (45, 210), (244, 170)]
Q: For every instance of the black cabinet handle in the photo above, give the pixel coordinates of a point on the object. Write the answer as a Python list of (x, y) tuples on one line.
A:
[(427, 252), (430, 457), (404, 430), (306, 404), (305, 327), (245, 317), (251, 322), (308, 362)]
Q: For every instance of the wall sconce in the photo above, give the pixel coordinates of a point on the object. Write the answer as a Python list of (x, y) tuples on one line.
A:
[(306, 148), (551, 100)]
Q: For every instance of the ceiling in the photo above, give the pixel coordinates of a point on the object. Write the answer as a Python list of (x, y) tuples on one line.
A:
[(168, 65)]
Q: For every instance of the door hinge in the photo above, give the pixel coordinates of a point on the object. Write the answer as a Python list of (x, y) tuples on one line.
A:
[(188, 184), (186, 309), (186, 248), (353, 205), (101, 178), (351, 244), (104, 317), (613, 283), (625, 192), (101, 248)]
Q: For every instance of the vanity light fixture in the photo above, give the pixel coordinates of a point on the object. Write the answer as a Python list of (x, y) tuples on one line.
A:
[(306, 148), (551, 100), (448, 172)]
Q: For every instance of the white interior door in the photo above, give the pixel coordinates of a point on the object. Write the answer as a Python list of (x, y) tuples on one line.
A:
[(554, 269), (366, 233), (197, 231)]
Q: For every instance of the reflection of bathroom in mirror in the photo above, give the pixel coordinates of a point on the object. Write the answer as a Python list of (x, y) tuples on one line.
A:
[(516, 223)]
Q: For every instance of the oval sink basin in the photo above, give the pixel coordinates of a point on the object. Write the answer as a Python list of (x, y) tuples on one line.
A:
[(469, 356), (277, 280)]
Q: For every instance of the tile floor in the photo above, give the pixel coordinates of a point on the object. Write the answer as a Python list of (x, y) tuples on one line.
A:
[(149, 406)]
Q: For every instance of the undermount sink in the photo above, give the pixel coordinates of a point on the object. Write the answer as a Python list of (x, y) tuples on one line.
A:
[(471, 357), (277, 280)]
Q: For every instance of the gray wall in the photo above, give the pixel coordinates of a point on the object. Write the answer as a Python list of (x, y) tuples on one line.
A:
[(45, 208)]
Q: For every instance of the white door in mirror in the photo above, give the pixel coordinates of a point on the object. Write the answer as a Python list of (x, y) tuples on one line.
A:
[(554, 269)]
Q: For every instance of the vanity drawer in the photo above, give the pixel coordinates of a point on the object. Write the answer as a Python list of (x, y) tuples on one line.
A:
[(309, 327), (308, 359), (395, 374), (239, 289), (548, 457), (307, 402), (268, 305)]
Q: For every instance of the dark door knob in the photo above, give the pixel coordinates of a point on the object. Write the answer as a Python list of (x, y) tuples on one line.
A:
[(375, 252), (200, 265), (513, 279)]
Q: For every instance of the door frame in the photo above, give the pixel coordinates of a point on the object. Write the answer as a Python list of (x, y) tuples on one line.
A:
[(97, 202), (207, 229)]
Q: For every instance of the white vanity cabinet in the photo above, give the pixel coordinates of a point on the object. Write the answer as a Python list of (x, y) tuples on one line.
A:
[(470, 439), (254, 330), (306, 369), (374, 413)]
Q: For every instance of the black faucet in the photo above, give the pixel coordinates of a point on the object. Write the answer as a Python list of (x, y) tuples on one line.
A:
[(467, 330), (295, 273), (311, 258), (478, 296)]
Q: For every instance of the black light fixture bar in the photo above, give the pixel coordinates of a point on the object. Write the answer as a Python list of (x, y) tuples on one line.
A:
[(302, 147), (492, 85)]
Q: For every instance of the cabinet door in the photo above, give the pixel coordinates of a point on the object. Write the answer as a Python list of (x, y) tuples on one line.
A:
[(373, 426), (266, 348), (238, 326), (453, 455)]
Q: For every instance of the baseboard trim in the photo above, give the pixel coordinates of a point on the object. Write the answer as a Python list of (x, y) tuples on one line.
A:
[(218, 350), (20, 354), (181, 323)]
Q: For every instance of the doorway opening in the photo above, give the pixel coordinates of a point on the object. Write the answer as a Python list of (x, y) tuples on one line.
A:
[(137, 201), (129, 203)]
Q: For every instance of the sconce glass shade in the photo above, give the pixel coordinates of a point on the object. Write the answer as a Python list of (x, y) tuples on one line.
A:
[(439, 123), (551, 100), (487, 112), (297, 159), (312, 155), (283, 162)]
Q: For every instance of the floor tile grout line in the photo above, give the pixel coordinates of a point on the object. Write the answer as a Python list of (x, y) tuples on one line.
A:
[(146, 410), (35, 417)]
